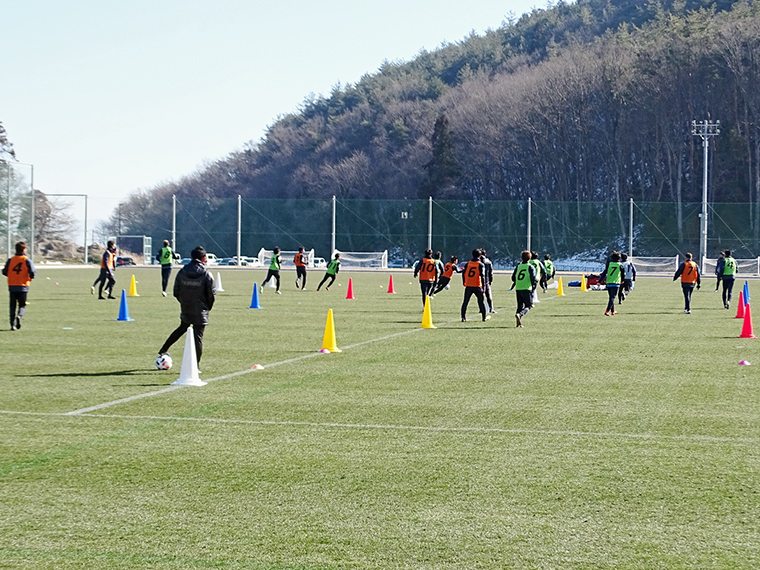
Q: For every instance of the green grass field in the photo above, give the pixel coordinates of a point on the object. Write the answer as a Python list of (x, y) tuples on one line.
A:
[(580, 441)]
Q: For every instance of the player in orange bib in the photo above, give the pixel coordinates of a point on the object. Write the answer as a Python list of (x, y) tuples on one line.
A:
[(689, 273), (473, 277), (20, 271), (448, 272), (427, 269), (300, 261)]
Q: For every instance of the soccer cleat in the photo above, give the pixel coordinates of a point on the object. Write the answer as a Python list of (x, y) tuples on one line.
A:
[(13, 326), (297, 285), (518, 320), (278, 292), (111, 297), (163, 293), (606, 313), (327, 288), (92, 290), (726, 305), (614, 312), (261, 289), (687, 311), (464, 320), (101, 297), (18, 322), (487, 318)]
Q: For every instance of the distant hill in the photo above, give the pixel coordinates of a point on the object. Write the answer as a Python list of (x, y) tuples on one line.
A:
[(585, 101)]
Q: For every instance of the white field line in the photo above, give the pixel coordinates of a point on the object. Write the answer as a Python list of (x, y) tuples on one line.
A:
[(234, 374), (439, 429)]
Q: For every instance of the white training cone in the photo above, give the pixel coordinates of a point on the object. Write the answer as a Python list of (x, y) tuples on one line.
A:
[(535, 296), (272, 284), (188, 374), (218, 284)]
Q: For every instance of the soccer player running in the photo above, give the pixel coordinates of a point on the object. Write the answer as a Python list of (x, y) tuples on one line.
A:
[(689, 274), (629, 276), (194, 289), (165, 257), (613, 275), (719, 263), (550, 270), (107, 267), (524, 281), (274, 271), (727, 277), (300, 261), (332, 271), (473, 277), (448, 271), (19, 270), (488, 281), (427, 269)]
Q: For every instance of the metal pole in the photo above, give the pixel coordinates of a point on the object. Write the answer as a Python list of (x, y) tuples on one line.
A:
[(703, 243), (31, 223), (239, 261), (8, 164), (530, 207), (332, 243), (174, 222), (430, 222), (85, 230), (630, 230)]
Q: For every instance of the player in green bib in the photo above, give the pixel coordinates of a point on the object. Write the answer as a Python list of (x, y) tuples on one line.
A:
[(332, 271), (524, 281), (274, 270), (613, 276), (165, 257), (728, 276)]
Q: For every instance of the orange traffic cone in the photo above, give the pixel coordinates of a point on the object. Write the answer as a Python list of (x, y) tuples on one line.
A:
[(390, 285), (350, 293), (740, 306), (747, 327)]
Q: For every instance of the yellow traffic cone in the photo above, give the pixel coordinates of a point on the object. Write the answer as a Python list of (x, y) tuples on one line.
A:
[(583, 283), (427, 316), (133, 287), (329, 343), (560, 290)]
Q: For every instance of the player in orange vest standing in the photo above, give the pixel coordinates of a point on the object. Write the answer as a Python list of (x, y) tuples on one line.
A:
[(427, 269), (300, 261), (689, 273), (473, 277), (20, 271)]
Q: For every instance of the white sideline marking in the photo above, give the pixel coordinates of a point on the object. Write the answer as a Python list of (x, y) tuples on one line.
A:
[(234, 374), (460, 429)]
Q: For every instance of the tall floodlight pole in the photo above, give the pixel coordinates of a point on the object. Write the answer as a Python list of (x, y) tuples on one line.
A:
[(332, 241), (430, 222), (705, 130)]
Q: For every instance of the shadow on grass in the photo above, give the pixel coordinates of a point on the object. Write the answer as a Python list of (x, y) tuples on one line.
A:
[(92, 374)]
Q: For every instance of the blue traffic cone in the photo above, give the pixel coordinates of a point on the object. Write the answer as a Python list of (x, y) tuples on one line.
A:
[(255, 299), (123, 309), (746, 292)]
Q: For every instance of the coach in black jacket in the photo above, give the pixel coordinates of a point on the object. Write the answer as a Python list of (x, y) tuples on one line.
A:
[(194, 289)]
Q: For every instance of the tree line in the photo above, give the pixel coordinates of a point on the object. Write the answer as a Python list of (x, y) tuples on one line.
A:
[(591, 101)]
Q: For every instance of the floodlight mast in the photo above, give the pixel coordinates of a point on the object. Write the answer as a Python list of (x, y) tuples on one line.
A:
[(705, 130)]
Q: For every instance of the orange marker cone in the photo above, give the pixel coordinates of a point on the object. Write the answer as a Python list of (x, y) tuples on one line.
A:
[(747, 327), (390, 285), (740, 306), (350, 293), (329, 343)]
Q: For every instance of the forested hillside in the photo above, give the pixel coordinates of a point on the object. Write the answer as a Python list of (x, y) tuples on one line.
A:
[(590, 101)]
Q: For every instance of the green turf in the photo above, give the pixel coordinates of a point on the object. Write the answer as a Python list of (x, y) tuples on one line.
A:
[(580, 441)]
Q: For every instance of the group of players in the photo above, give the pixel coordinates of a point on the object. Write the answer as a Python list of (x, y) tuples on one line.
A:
[(477, 278)]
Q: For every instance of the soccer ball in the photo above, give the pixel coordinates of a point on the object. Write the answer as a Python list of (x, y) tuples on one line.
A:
[(163, 362)]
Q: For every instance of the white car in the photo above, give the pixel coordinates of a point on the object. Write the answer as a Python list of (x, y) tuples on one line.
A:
[(320, 262), (211, 259)]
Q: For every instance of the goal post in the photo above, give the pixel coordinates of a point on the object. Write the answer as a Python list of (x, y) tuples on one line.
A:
[(655, 264), (286, 257), (743, 266), (375, 259)]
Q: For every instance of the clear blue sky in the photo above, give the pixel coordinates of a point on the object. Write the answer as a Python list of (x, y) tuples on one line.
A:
[(106, 98)]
